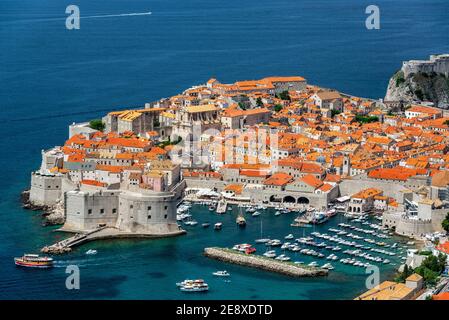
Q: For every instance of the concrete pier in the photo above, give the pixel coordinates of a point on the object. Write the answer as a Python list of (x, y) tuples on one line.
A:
[(287, 268)]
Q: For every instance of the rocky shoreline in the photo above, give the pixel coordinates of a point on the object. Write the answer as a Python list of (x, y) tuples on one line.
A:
[(285, 268), (53, 215)]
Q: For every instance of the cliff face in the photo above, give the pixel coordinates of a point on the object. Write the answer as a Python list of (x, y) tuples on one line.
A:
[(419, 87)]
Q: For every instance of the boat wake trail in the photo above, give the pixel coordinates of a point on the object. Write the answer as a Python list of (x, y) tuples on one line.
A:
[(118, 15)]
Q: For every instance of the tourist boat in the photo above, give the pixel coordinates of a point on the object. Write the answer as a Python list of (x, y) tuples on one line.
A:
[(34, 261), (195, 287), (218, 226), (241, 221), (256, 214), (189, 282), (223, 273), (289, 236), (205, 225), (91, 252)]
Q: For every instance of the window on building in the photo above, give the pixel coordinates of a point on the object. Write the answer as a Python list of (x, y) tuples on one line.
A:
[(114, 210), (165, 216), (101, 210), (165, 208), (149, 216), (131, 206), (149, 208), (89, 211)]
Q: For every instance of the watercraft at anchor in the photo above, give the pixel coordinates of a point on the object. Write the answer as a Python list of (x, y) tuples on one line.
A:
[(205, 225), (289, 236), (34, 261), (91, 252), (218, 226), (256, 214), (241, 221)]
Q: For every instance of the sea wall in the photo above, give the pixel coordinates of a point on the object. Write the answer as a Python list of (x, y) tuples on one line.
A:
[(263, 263)]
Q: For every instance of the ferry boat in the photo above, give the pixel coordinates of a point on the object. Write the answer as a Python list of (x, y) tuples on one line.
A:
[(34, 261), (195, 287)]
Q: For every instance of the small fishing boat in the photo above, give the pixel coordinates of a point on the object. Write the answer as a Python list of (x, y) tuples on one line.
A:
[(289, 236), (34, 261), (282, 257), (256, 214), (313, 264), (91, 252), (223, 273), (218, 226)]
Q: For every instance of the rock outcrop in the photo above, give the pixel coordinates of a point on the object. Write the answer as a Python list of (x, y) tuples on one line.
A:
[(53, 215), (419, 87)]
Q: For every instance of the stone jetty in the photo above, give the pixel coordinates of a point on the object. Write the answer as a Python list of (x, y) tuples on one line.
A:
[(287, 268)]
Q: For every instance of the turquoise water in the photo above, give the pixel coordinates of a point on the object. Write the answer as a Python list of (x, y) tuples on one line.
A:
[(51, 77)]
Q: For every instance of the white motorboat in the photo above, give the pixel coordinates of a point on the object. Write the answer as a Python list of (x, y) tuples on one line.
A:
[(91, 252), (289, 236), (282, 257), (327, 266), (313, 264), (277, 213), (256, 214), (223, 273), (218, 226), (270, 254)]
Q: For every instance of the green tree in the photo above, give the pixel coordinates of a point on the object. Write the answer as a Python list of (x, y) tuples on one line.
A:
[(284, 95), (366, 119), (259, 102), (97, 124), (278, 107), (334, 112), (431, 268), (404, 274), (445, 223)]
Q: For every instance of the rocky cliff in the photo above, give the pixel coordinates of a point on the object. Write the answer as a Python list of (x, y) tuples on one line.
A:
[(419, 87)]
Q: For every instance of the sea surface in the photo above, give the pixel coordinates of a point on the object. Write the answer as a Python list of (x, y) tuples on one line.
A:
[(51, 77)]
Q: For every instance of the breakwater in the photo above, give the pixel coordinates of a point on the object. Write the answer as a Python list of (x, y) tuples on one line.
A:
[(267, 264)]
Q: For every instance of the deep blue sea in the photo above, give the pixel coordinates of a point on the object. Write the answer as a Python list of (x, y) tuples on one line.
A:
[(51, 77)]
